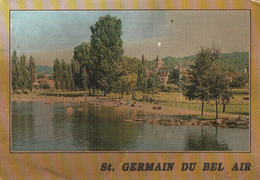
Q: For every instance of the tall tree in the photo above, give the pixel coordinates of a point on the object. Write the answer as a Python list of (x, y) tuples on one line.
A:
[(82, 57), (84, 79), (57, 73), (75, 72), (23, 73), (32, 73), (142, 79), (106, 51), (128, 76), (14, 72), (199, 87), (63, 75), (219, 85), (68, 77)]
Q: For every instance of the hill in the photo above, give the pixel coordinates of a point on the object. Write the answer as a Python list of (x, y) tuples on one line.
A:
[(231, 61), (44, 70)]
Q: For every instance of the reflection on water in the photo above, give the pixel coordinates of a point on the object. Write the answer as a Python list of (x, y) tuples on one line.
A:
[(40, 127)]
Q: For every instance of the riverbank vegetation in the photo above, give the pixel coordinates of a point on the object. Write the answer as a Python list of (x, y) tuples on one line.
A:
[(99, 68)]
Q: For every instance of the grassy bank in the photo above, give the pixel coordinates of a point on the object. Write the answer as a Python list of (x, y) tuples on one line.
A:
[(238, 106)]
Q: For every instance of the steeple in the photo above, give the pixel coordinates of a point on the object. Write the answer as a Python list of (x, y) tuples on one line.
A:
[(158, 63)]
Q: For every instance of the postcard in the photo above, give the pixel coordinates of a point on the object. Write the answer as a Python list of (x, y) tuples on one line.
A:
[(118, 93)]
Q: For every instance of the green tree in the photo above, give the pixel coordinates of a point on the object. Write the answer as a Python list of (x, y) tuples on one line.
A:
[(106, 51), (23, 73), (14, 71), (75, 72), (174, 76), (199, 87), (82, 57), (225, 98), (142, 79), (239, 81), (128, 76), (219, 86), (32, 73), (63, 75), (84, 79), (68, 77), (57, 73)]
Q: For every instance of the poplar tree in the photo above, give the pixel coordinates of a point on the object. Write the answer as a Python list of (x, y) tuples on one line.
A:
[(57, 73), (23, 73), (14, 71), (63, 75), (32, 73), (84, 79), (106, 51), (142, 79)]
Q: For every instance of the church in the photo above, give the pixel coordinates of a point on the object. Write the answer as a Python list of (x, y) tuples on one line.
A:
[(162, 72)]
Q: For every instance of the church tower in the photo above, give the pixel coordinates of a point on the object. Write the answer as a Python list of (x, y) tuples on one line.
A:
[(158, 63)]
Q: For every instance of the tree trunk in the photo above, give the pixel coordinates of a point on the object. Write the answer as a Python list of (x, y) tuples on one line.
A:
[(93, 89), (216, 108), (122, 94), (202, 107), (89, 93), (105, 93), (133, 93), (224, 108)]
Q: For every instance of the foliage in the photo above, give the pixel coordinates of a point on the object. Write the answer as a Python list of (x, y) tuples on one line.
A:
[(14, 72), (57, 72), (45, 86), (106, 51), (142, 79), (83, 61), (41, 76), (199, 87), (84, 79), (239, 81), (174, 76), (128, 76), (23, 74), (219, 88), (32, 73)]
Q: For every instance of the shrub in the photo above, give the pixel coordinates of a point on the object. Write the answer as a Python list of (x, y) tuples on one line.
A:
[(45, 86), (41, 76)]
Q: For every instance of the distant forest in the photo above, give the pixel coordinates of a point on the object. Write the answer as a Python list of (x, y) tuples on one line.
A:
[(231, 61)]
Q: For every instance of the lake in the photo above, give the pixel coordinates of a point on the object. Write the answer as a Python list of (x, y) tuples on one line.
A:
[(37, 126)]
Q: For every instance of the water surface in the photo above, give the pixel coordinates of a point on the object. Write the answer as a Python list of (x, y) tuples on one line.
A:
[(40, 127)]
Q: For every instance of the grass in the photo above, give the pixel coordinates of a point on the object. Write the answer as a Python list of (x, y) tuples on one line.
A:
[(64, 94), (237, 105)]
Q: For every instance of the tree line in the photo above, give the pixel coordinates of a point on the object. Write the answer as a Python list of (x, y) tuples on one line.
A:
[(99, 65), (23, 74)]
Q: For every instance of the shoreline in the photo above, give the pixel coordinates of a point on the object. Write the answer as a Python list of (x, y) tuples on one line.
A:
[(226, 120)]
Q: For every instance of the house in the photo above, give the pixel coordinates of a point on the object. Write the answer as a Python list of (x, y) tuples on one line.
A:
[(162, 72)]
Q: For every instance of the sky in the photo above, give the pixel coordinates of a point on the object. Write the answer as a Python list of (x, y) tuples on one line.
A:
[(49, 34)]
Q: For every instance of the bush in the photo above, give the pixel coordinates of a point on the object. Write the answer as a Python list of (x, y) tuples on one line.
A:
[(45, 86), (239, 81), (40, 76), (26, 91)]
